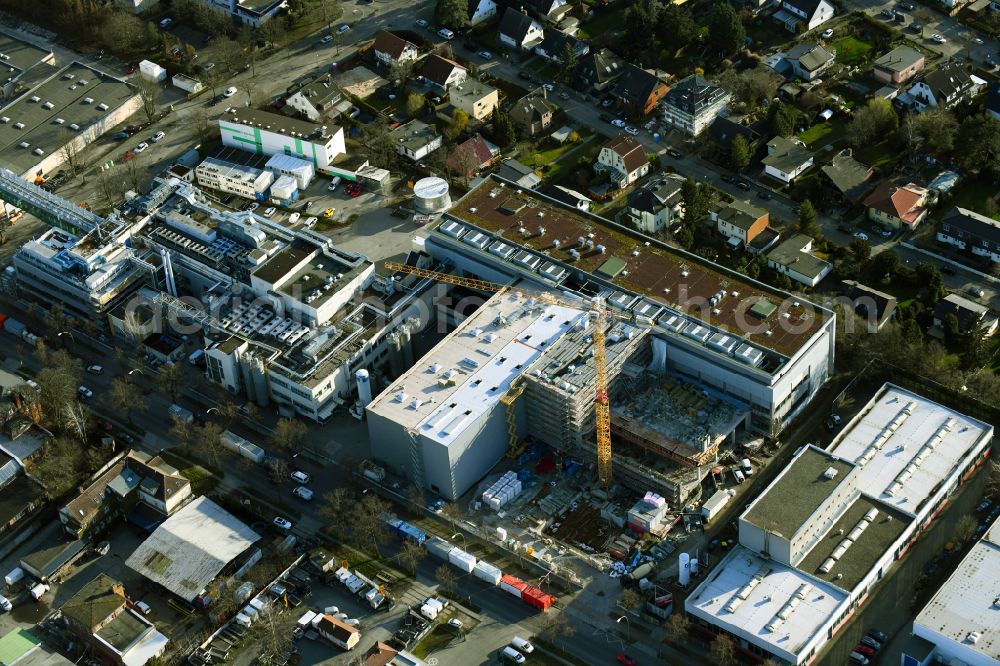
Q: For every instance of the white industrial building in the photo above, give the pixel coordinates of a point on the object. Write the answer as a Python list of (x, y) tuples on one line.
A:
[(245, 181), (266, 133), (959, 624), (284, 165), (442, 422), (761, 346), (817, 541)]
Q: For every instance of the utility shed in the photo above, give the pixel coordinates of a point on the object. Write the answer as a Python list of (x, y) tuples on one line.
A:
[(192, 547)]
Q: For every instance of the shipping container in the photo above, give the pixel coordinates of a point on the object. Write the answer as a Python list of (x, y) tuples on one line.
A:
[(534, 596), (512, 585), (410, 533), (714, 505), (354, 584), (488, 572), (438, 547), (462, 560)]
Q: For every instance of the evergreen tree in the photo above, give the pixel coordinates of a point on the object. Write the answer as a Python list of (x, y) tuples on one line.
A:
[(739, 153), (725, 29)]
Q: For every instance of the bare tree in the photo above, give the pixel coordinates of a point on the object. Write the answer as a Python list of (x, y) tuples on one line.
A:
[(76, 421), (558, 628), (722, 651), (208, 439), (335, 509), (149, 92), (965, 528), (71, 153), (125, 398), (111, 183), (169, 380), (288, 435), (410, 556), (446, 576), (5, 224), (182, 432), (677, 627), (630, 600), (369, 524)]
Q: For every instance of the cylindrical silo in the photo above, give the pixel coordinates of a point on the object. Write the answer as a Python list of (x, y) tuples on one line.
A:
[(430, 195), (684, 572), (364, 387)]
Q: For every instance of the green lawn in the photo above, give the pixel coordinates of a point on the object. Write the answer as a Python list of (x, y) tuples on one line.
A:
[(823, 133), (601, 24), (202, 480), (851, 50), (438, 638), (879, 155), (973, 194)]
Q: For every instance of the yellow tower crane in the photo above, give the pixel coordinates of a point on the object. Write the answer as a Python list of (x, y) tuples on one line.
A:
[(602, 403)]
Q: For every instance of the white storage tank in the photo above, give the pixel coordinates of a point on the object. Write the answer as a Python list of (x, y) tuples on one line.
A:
[(364, 387), (684, 571), (430, 195)]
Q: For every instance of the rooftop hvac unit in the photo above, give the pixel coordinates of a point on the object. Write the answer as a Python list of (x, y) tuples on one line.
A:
[(102, 106), (87, 100), (4, 120), (84, 82), (48, 105), (59, 121), (74, 127), (24, 144), (38, 151), (35, 98), (18, 125), (830, 473)]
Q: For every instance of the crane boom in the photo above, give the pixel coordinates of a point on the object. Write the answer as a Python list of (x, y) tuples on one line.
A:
[(602, 403)]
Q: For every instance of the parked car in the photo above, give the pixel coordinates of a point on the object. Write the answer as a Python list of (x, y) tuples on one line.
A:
[(332, 187), (328, 213), (85, 392), (300, 476), (522, 645), (938, 39), (446, 33), (229, 92), (871, 642), (861, 235), (283, 523), (166, 23), (486, 55), (676, 154), (746, 467), (343, 29), (141, 147), (310, 222), (303, 493), (631, 130), (827, 34), (156, 137), (206, 66), (253, 206), (859, 658), (269, 211), (983, 506), (120, 136), (548, 86), (455, 622), (294, 217), (626, 660), (726, 178), (832, 421), (131, 68), (743, 185), (326, 39), (422, 23), (865, 650), (618, 122), (95, 369), (766, 196)]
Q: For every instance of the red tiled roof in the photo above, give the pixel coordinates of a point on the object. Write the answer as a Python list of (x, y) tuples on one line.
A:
[(386, 42), (476, 147), (631, 151), (898, 201)]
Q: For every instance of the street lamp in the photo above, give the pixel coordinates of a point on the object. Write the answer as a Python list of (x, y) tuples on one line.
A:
[(70, 334), (628, 626), (458, 534)]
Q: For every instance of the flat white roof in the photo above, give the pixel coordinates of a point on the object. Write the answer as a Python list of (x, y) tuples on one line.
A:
[(969, 602), (768, 588), (467, 373), (906, 445)]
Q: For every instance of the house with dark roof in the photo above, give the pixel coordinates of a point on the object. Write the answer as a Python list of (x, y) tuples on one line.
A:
[(897, 206), (968, 230), (549, 11), (533, 113), (102, 616), (787, 159), (390, 48), (723, 130), (808, 61), (553, 46), (948, 86), (416, 139), (694, 103), (808, 13), (442, 73), (849, 177), (898, 65), (740, 222), (655, 206), (520, 31), (623, 159), (318, 100), (471, 155), (970, 315), (481, 10), (142, 487), (794, 258), (876, 306), (640, 90), (518, 173), (598, 70)]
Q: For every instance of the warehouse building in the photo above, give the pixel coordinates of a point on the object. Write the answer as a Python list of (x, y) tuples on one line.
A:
[(759, 346), (22, 64), (959, 624), (244, 181), (71, 108), (822, 535), (268, 133)]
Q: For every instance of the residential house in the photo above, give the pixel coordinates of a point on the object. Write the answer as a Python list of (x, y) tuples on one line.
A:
[(533, 113), (141, 487), (848, 176), (655, 206), (481, 10), (318, 100), (694, 103), (471, 155), (970, 315), (103, 617), (416, 140), (569, 197), (740, 222), (808, 14), (968, 230), (391, 49), (876, 306), (723, 130), (549, 11), (624, 159), (948, 86), (553, 46), (339, 633), (520, 31), (598, 70), (993, 99), (895, 206), (475, 98), (383, 654), (519, 174), (792, 258), (787, 159), (808, 61), (898, 65), (639, 90), (442, 73)]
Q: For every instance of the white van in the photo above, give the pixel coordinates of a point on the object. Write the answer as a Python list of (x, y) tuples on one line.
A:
[(334, 183), (522, 645), (738, 474), (446, 33), (511, 656), (5, 604), (747, 467)]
